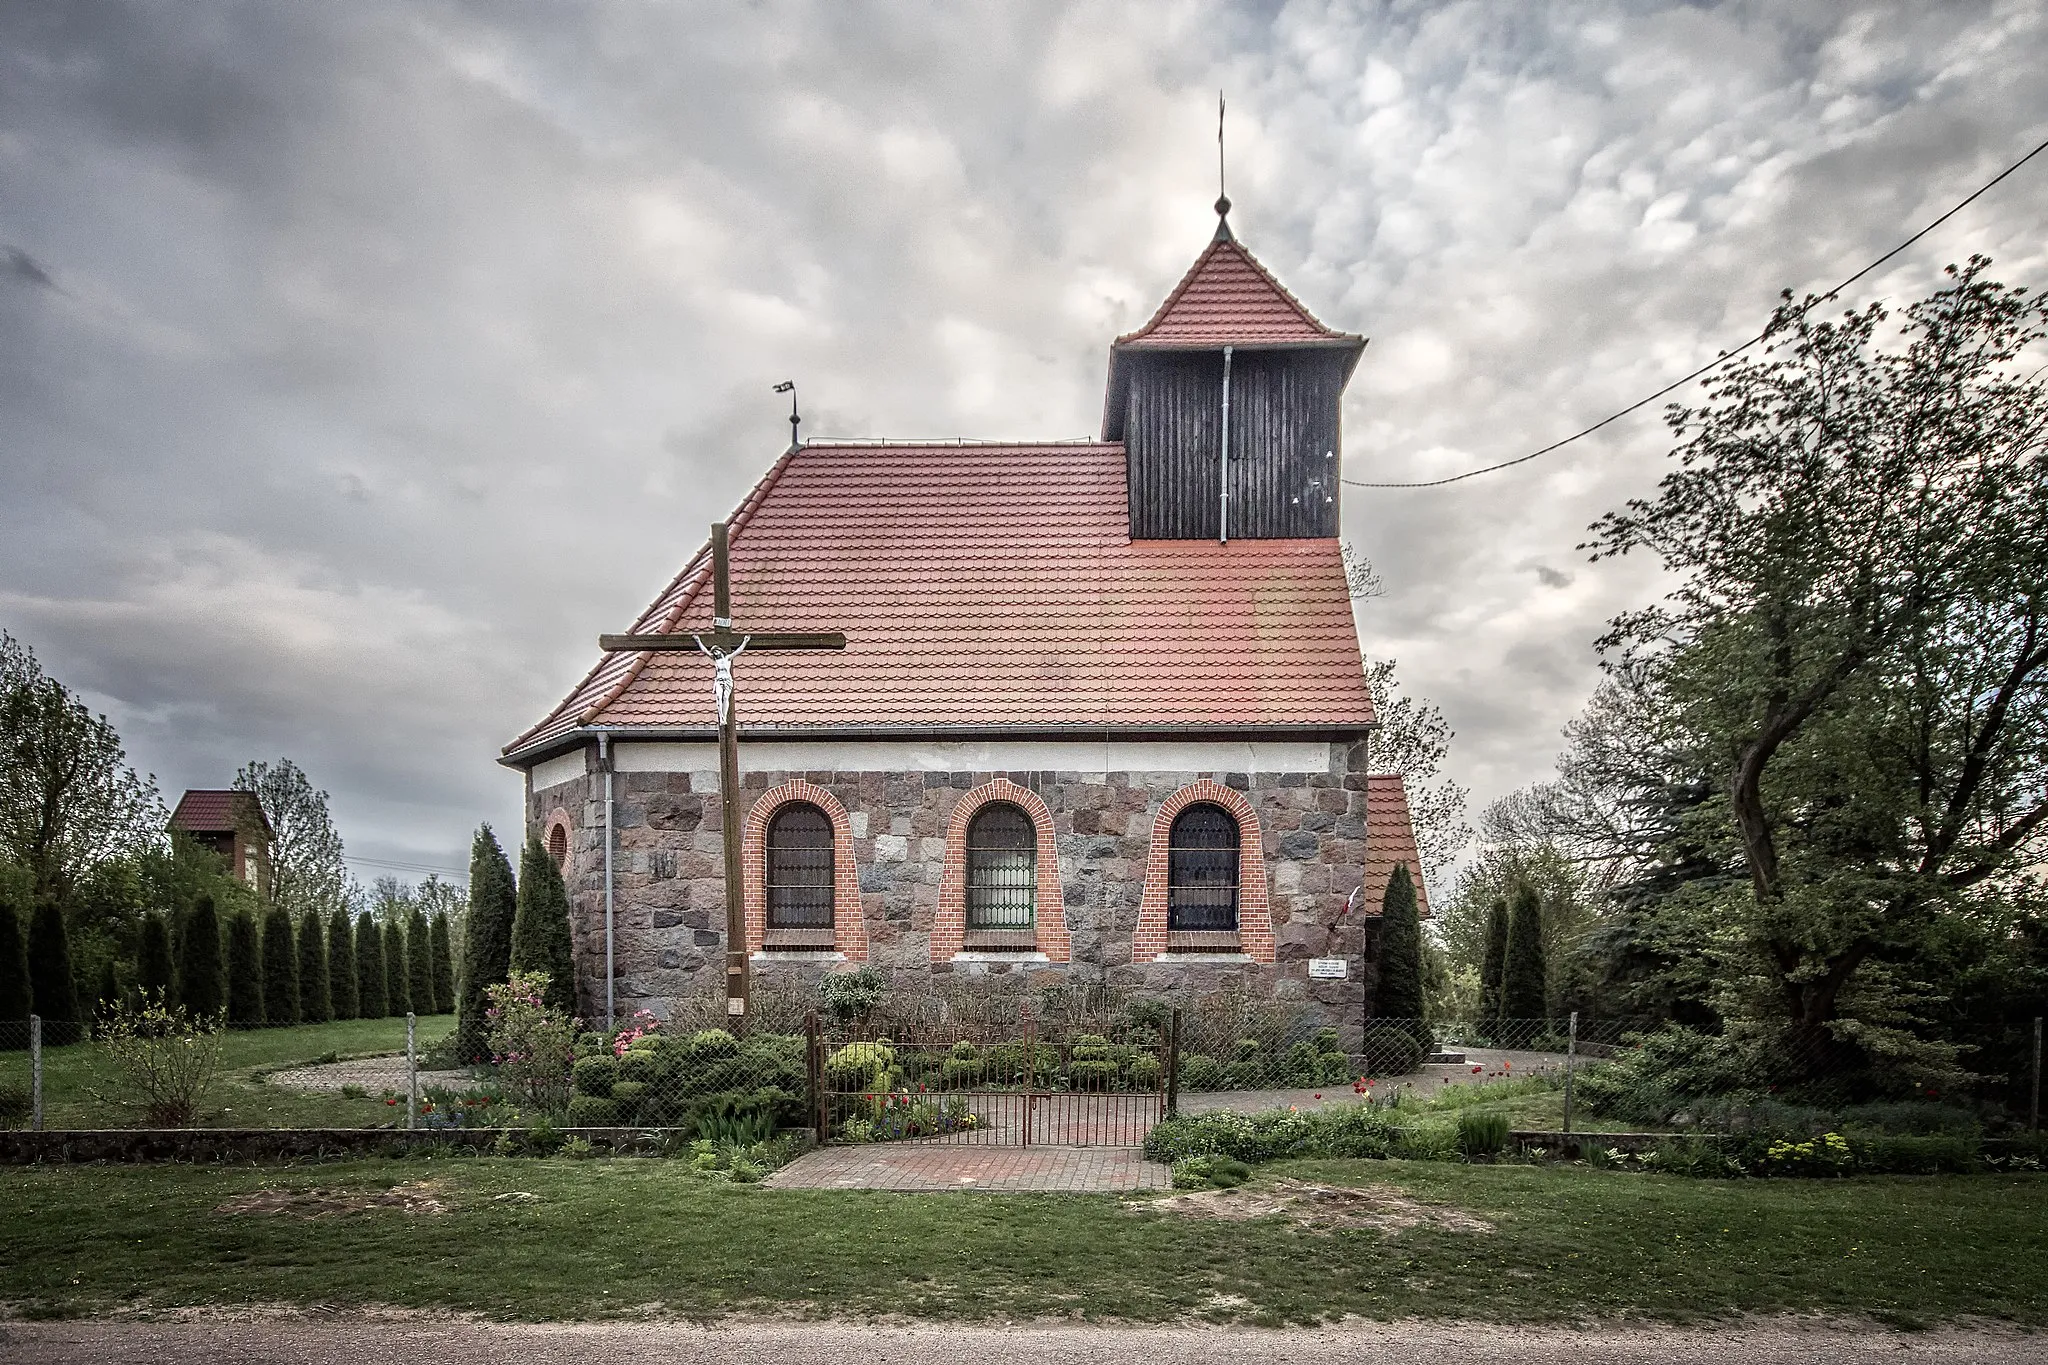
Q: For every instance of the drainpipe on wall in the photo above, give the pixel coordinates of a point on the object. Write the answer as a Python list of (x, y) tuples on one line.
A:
[(604, 761), (1223, 465)]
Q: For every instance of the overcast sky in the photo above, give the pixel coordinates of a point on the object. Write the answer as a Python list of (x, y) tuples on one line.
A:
[(360, 362)]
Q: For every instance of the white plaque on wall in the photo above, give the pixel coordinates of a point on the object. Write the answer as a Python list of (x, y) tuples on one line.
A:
[(1328, 968)]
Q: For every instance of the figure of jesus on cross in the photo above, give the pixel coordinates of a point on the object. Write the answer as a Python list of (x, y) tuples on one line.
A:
[(724, 643)]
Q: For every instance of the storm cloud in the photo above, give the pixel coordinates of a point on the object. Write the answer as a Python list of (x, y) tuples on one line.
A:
[(360, 363)]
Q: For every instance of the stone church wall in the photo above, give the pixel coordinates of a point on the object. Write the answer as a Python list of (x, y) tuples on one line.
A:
[(669, 884)]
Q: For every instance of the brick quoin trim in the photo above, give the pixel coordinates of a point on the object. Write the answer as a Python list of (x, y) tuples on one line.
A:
[(559, 819), (949, 923), (1254, 914), (849, 930)]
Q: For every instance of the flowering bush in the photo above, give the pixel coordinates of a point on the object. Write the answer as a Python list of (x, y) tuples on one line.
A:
[(168, 1059), (643, 1024), (532, 1045), (1827, 1154)]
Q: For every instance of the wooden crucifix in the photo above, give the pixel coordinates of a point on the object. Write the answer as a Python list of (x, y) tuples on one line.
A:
[(723, 643)]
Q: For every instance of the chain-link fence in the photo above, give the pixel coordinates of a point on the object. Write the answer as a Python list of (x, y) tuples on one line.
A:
[(20, 1060)]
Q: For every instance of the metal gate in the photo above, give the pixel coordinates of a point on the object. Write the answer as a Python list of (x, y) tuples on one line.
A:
[(1032, 1085)]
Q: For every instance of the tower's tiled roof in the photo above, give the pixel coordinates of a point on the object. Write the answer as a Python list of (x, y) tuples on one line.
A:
[(203, 811), (990, 586), (1389, 841), (1228, 299)]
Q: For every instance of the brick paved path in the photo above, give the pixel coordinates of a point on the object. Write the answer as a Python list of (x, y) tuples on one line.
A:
[(927, 1168)]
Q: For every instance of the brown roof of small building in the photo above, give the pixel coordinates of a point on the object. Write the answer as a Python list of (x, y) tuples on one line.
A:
[(218, 812), (989, 586), (1389, 842), (1228, 298)]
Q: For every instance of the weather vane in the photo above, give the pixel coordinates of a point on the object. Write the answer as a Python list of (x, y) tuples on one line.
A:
[(1222, 195), (788, 386)]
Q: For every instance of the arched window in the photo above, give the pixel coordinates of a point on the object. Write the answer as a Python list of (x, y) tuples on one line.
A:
[(1002, 870), (558, 845), (800, 875), (1201, 877)]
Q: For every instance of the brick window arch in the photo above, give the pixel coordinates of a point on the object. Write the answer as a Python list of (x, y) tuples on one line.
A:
[(560, 838), (1156, 933), (1047, 932), (796, 876)]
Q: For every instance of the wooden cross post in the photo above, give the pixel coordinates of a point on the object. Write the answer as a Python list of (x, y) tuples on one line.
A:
[(723, 643)]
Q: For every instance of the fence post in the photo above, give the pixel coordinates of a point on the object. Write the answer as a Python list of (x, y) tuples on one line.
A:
[(2034, 1108), (1173, 1065), (814, 1066), (412, 1073), (1571, 1055), (1030, 1064), (35, 1073)]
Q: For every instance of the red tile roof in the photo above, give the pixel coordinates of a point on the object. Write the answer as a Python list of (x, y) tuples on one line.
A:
[(213, 812), (1228, 299), (990, 585), (1389, 840)]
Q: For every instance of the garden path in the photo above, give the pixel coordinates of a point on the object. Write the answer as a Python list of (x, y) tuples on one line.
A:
[(929, 1167), (376, 1076)]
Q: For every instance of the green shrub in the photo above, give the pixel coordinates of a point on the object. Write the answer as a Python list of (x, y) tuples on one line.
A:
[(595, 1076), (1482, 1134), (17, 1106), (638, 1065), (1245, 1075), (592, 1111), (1209, 1172), (1200, 1073), (1428, 1140), (1932, 1154), (1354, 1130), (852, 996), (706, 1044), (1691, 1155), (859, 1064), (1145, 1072), (1393, 1049), (1091, 1074)]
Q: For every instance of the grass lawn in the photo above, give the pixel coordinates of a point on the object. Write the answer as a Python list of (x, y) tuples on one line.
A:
[(241, 1099), (618, 1238)]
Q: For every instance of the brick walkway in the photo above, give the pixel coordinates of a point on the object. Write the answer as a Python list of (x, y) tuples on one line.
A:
[(917, 1167)]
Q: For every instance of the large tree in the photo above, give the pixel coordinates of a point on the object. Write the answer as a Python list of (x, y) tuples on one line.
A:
[(280, 968), (245, 970), (1523, 979), (397, 976), (202, 974), (1412, 738), (17, 1000), (306, 867), (419, 962), (372, 993), (487, 940), (155, 974), (316, 993), (1493, 958), (541, 940), (1856, 646), (341, 965), (1398, 992), (69, 802), (442, 965)]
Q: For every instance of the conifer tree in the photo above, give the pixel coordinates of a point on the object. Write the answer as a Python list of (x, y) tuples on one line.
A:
[(341, 966), (486, 940), (16, 1001), (419, 962), (154, 974), (280, 969), (370, 993), (1522, 978), (443, 966), (540, 931), (50, 983), (397, 980), (316, 993), (107, 990), (202, 976), (1399, 992), (1493, 960), (245, 971)]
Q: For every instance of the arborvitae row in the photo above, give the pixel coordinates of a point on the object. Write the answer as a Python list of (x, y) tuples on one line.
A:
[(540, 930), (487, 940), (316, 998), (49, 964), (202, 987), (1493, 961), (1522, 978), (397, 983), (16, 1001), (1399, 992), (154, 975), (370, 992), (245, 971), (280, 969), (419, 962), (107, 989), (341, 965), (443, 965)]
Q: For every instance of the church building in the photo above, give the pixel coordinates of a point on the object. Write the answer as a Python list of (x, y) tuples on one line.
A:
[(1101, 715)]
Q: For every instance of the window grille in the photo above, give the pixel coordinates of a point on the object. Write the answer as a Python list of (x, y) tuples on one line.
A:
[(558, 846), (1002, 869), (800, 871), (1201, 863)]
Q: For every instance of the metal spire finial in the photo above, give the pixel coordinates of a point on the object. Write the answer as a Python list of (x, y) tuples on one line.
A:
[(1222, 195), (788, 386)]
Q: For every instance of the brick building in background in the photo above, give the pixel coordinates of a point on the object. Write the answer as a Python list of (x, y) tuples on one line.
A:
[(1102, 713), (232, 824)]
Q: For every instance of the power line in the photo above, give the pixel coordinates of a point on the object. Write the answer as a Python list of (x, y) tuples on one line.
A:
[(1719, 360), (404, 867)]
